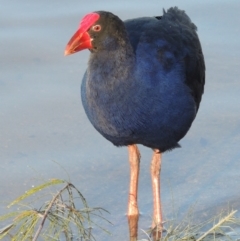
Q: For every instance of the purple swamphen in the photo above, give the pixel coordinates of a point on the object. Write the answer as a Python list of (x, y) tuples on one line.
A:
[(143, 85)]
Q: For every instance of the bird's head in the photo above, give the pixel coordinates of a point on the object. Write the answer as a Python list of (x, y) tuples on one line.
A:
[(96, 31)]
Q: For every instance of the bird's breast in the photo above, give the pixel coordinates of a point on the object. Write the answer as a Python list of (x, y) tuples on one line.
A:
[(109, 108), (126, 113)]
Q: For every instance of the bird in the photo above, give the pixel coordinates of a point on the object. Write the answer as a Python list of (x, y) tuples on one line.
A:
[(143, 85)]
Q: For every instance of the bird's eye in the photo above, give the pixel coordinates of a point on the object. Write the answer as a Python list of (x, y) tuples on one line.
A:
[(96, 28)]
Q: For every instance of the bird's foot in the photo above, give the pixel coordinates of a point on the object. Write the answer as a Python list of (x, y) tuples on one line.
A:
[(156, 232), (133, 226)]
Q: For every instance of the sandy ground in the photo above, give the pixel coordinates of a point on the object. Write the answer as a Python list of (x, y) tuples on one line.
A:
[(42, 119)]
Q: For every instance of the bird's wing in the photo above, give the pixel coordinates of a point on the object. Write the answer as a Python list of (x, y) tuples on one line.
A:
[(167, 41)]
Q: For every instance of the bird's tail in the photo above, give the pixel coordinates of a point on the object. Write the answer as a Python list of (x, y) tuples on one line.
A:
[(177, 15)]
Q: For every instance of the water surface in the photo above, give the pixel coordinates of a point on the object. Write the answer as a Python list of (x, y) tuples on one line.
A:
[(42, 119)]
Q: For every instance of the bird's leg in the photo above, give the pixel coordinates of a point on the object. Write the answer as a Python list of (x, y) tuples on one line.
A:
[(133, 213), (157, 210)]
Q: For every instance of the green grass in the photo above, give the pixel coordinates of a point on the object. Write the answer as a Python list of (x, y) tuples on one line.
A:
[(65, 215), (220, 227), (58, 218)]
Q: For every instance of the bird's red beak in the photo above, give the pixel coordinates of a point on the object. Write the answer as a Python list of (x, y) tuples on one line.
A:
[(81, 39)]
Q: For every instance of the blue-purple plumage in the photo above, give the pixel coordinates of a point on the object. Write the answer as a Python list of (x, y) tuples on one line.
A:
[(145, 79)]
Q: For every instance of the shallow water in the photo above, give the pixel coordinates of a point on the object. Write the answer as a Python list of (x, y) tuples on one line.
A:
[(42, 119)]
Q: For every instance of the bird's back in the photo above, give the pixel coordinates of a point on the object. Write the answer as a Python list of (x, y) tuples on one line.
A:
[(173, 37)]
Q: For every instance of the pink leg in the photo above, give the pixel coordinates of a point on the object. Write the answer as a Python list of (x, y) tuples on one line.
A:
[(133, 213), (157, 209)]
